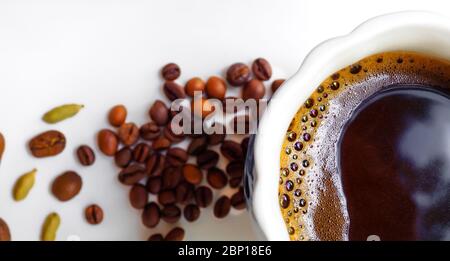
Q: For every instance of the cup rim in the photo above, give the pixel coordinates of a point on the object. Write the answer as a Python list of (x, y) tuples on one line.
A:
[(328, 57)]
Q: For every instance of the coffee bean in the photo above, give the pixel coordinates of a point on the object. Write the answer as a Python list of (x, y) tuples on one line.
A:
[(171, 177), (176, 157), (174, 138), (171, 214), (194, 85), (216, 88), (231, 150), (244, 145), (138, 196), (238, 200), (235, 182), (261, 69), (117, 115), (67, 186), (128, 133), (192, 174), (191, 212), (254, 89), (159, 113), (176, 234), (238, 74), (241, 124), (47, 144), (232, 104), (123, 157), (207, 159), (156, 237), (151, 215), (171, 71), (235, 169), (222, 207), (166, 197), (203, 196), (215, 139), (155, 164), (276, 85), (85, 155), (154, 185), (149, 131), (132, 174), (173, 91), (184, 192), (141, 152), (5, 234), (197, 145), (107, 142), (2, 145), (216, 178), (201, 107), (161, 143), (94, 214)]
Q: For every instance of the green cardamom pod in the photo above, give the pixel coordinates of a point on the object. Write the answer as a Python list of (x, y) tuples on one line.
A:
[(23, 185), (50, 227), (61, 113)]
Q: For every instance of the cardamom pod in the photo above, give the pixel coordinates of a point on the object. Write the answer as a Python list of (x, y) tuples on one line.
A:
[(2, 145), (61, 113), (23, 185), (50, 227)]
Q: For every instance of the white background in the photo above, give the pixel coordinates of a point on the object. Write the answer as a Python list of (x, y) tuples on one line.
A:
[(101, 53)]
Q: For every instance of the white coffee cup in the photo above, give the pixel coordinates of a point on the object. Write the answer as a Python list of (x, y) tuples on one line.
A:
[(422, 32)]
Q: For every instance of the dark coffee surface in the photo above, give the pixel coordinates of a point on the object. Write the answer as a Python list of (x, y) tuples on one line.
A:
[(395, 165)]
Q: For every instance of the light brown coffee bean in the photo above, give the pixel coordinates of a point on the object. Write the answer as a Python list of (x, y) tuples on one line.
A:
[(173, 91), (86, 155), (159, 113), (254, 89), (222, 207), (194, 85), (171, 71), (132, 174), (276, 85), (128, 133), (238, 74), (94, 214), (191, 212), (107, 142), (216, 178), (5, 234), (2, 145), (149, 131), (67, 186), (138, 196), (201, 107), (176, 234), (47, 144), (216, 88), (192, 174), (151, 215), (261, 69), (161, 143), (117, 115)]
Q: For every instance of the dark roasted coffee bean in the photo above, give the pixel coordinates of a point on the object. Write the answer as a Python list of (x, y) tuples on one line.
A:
[(166, 197), (159, 113), (176, 234), (138, 196), (254, 89), (171, 71), (241, 124), (194, 85), (192, 174), (171, 177), (47, 144), (156, 237), (222, 207), (238, 200), (161, 143), (176, 157), (238, 74), (235, 169), (235, 182), (231, 150), (5, 234), (191, 212), (171, 214), (128, 133), (173, 91), (132, 174), (123, 157), (141, 152), (149, 131), (151, 215), (216, 138), (197, 145), (261, 69), (94, 214), (216, 178), (117, 115), (155, 164), (276, 85), (244, 146), (170, 135), (154, 185), (67, 186), (85, 155), (203, 196), (216, 88), (184, 192), (207, 159), (107, 142)]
